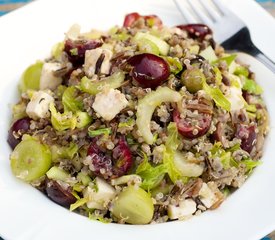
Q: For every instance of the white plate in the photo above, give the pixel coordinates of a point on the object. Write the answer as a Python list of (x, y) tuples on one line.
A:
[(28, 34)]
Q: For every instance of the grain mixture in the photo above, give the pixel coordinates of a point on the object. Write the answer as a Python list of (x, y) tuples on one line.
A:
[(140, 124)]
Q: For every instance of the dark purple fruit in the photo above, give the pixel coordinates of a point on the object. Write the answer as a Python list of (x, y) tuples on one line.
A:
[(59, 194), (101, 162), (18, 128), (196, 30), (122, 157), (187, 129), (150, 71), (76, 49), (248, 136)]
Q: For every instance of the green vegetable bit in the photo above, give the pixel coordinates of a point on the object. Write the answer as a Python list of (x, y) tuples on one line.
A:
[(218, 97), (94, 87), (31, 77), (70, 101), (193, 80), (251, 86), (102, 131), (134, 205), (30, 159)]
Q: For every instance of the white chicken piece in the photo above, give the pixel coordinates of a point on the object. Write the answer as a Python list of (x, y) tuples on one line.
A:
[(99, 196), (48, 80), (207, 196), (185, 209), (109, 103), (39, 105), (91, 58)]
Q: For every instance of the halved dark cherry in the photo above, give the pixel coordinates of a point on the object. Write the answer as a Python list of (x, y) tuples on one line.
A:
[(187, 129), (102, 163), (150, 71), (248, 136), (150, 20), (196, 30), (122, 157), (130, 19), (58, 194), (153, 20), (22, 125), (76, 49)]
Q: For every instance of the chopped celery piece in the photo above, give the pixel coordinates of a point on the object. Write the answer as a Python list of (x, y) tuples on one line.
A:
[(241, 70), (30, 159), (80, 202), (126, 179), (57, 50), (162, 46), (85, 179), (57, 173), (209, 54), (70, 101), (31, 77), (146, 107), (83, 119), (174, 64), (147, 46), (104, 131), (134, 205), (62, 121), (64, 152), (218, 97), (252, 87), (94, 87)]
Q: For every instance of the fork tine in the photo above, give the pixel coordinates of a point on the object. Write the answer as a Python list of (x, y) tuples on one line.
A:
[(184, 12), (221, 6), (212, 13), (202, 16)]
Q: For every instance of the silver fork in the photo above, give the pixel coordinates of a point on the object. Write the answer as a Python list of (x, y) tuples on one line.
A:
[(229, 30)]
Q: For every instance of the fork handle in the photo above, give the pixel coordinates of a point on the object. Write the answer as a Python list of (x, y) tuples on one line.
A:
[(242, 42)]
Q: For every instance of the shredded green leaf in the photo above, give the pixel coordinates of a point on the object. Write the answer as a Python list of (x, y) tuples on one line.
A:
[(62, 121), (59, 152), (129, 123), (80, 202), (241, 70), (250, 165), (70, 101), (104, 131), (218, 97), (83, 119), (151, 176), (251, 86), (228, 59)]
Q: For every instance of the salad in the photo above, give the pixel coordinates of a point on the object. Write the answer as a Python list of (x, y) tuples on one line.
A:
[(139, 124)]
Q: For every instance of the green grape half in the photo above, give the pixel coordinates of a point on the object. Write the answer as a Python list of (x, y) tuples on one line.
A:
[(30, 160), (134, 205), (31, 77)]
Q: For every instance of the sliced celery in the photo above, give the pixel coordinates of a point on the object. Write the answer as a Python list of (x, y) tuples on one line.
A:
[(94, 87), (146, 107)]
